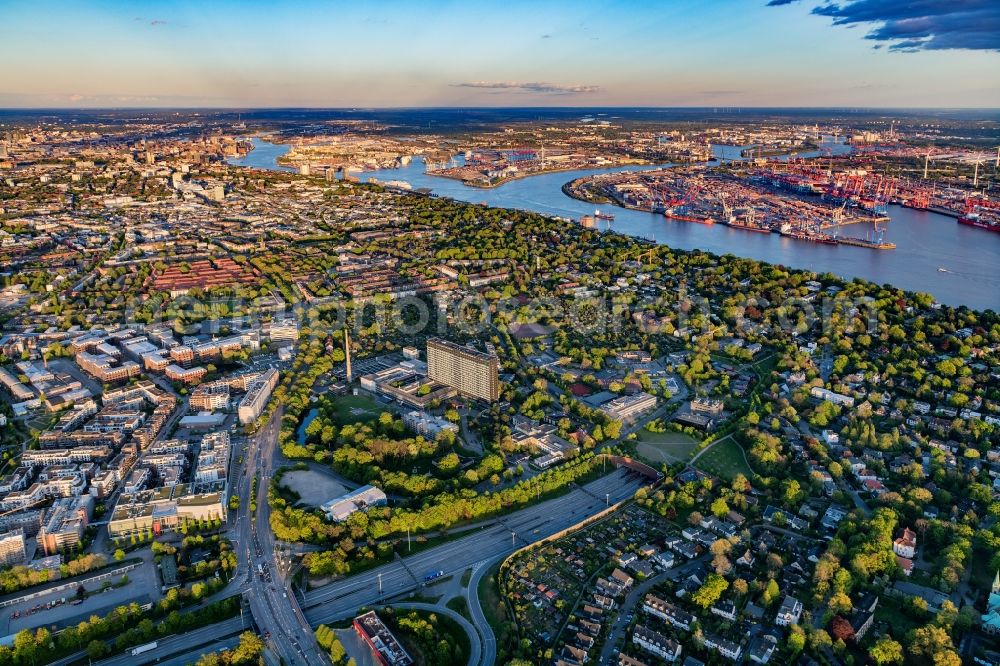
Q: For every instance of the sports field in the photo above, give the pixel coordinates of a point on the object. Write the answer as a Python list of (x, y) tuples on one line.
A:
[(665, 447)]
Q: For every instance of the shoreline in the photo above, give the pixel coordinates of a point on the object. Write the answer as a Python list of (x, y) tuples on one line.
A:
[(521, 176), (569, 191), (799, 260)]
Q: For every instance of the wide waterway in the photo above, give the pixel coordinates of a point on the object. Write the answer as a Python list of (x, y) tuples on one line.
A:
[(925, 242)]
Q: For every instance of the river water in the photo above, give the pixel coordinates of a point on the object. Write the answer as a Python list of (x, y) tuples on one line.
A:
[(925, 242)]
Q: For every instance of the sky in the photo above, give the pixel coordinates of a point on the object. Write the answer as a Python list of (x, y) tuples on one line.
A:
[(391, 53)]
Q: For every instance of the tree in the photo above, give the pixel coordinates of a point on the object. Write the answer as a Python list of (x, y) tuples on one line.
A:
[(841, 629), (710, 591), (96, 649), (771, 593), (886, 651), (119, 555), (250, 648), (820, 639), (337, 651), (720, 508), (796, 639), (840, 603), (931, 644)]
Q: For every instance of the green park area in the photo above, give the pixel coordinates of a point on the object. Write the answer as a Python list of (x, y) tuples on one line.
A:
[(724, 459), (665, 447), (355, 409)]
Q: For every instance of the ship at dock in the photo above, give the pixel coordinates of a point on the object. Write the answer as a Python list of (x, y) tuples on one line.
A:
[(750, 227), (864, 242), (812, 237), (672, 214), (981, 214), (974, 220), (874, 240)]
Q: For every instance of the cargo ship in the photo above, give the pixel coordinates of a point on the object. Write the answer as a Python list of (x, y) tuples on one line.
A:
[(863, 242), (603, 216), (687, 218), (748, 227), (973, 220), (812, 238)]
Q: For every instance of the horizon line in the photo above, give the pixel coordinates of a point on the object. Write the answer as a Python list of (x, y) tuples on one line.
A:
[(481, 107)]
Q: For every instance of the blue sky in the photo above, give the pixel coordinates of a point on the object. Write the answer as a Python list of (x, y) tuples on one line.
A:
[(511, 53)]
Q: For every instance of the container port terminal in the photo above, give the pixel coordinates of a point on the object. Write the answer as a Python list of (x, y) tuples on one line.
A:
[(810, 200), (757, 200)]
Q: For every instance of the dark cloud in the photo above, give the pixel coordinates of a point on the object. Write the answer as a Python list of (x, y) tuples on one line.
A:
[(534, 87), (156, 22), (546, 36), (919, 25)]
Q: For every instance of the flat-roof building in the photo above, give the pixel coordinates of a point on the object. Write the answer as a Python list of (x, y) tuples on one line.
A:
[(386, 648), (340, 508), (471, 372), (253, 403), (12, 547)]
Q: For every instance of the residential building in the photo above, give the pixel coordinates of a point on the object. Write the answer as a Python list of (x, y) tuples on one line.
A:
[(253, 403), (906, 544), (12, 547), (64, 524), (820, 393), (727, 648), (663, 647), (789, 612), (162, 509), (762, 649), (668, 612)]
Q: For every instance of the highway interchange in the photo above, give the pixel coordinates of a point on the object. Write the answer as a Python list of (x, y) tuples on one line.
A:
[(276, 609), (288, 628)]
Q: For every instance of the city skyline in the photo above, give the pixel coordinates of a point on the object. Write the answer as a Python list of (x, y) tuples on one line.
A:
[(797, 53)]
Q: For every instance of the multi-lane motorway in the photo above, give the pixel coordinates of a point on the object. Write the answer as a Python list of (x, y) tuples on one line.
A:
[(340, 599), (275, 608)]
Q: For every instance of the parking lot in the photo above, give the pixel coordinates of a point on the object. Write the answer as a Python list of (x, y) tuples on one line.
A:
[(143, 586)]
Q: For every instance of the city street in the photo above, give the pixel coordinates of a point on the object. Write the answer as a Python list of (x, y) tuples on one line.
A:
[(273, 605)]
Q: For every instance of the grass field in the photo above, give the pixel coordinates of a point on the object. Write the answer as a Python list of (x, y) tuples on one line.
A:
[(459, 605), (355, 408), (724, 459), (665, 447)]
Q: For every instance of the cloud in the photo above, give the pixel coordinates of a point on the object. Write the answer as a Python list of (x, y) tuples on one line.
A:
[(715, 93), (535, 87), (156, 22), (546, 36), (919, 25)]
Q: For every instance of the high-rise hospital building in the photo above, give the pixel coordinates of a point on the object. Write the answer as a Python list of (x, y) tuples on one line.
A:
[(469, 371)]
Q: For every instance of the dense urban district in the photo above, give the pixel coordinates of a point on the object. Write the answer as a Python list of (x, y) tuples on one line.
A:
[(285, 417)]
